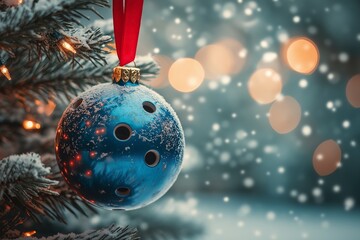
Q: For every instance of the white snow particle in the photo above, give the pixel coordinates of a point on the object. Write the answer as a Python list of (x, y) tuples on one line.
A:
[(346, 124), (270, 216), (249, 182), (349, 203), (303, 83), (302, 198), (296, 19), (306, 130)]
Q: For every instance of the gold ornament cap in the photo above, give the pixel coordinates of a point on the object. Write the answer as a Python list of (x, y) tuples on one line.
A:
[(125, 74)]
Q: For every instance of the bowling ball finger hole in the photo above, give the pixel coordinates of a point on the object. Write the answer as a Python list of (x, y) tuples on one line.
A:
[(123, 132), (152, 158), (77, 103), (122, 191), (149, 107)]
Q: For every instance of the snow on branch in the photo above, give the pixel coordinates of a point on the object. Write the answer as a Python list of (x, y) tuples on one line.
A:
[(23, 177), (23, 182), (64, 80), (22, 24), (87, 42), (110, 233), (41, 27)]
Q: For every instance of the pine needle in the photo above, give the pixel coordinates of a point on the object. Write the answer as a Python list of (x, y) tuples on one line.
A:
[(110, 233)]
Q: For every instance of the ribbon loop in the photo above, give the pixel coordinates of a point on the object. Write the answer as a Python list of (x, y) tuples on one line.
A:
[(127, 20)]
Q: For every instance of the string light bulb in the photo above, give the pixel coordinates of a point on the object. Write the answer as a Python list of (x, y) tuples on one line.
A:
[(12, 3), (67, 46), (63, 42), (5, 71), (29, 234), (31, 125)]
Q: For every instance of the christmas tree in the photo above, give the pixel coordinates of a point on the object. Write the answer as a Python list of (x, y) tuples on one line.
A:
[(48, 56)]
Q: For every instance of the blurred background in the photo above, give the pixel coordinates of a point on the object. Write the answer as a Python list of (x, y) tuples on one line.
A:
[(268, 96)]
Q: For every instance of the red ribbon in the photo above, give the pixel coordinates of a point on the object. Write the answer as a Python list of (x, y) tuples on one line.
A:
[(127, 19)]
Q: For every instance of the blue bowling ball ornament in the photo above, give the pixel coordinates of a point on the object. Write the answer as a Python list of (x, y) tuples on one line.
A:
[(120, 145)]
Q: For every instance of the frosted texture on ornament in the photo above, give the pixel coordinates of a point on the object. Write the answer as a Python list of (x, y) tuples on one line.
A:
[(96, 163)]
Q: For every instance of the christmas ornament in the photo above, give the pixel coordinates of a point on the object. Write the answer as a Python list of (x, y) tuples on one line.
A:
[(120, 145)]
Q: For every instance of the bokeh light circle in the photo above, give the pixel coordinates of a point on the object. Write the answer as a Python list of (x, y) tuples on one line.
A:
[(192, 158), (216, 59), (285, 115), (161, 79), (302, 55), (327, 157), (238, 52), (270, 60), (186, 75), (353, 91), (265, 85)]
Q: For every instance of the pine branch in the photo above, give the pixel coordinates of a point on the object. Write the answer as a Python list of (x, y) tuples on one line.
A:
[(22, 182), (59, 79), (88, 42), (110, 233), (23, 178), (23, 24), (106, 26), (26, 186), (9, 219), (169, 219)]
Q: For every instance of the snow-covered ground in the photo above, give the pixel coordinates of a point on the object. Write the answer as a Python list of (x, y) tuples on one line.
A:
[(238, 217)]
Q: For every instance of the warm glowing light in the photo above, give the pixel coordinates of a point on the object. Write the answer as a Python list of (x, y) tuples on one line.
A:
[(265, 85), (88, 123), (45, 108), (29, 234), (111, 47), (302, 55), (270, 60), (100, 131), (216, 59), (31, 125), (67, 46), (238, 52), (353, 91), (88, 173), (225, 57), (186, 75), (285, 115), (92, 154), (327, 157), (65, 136), (5, 71), (12, 3), (161, 80)]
